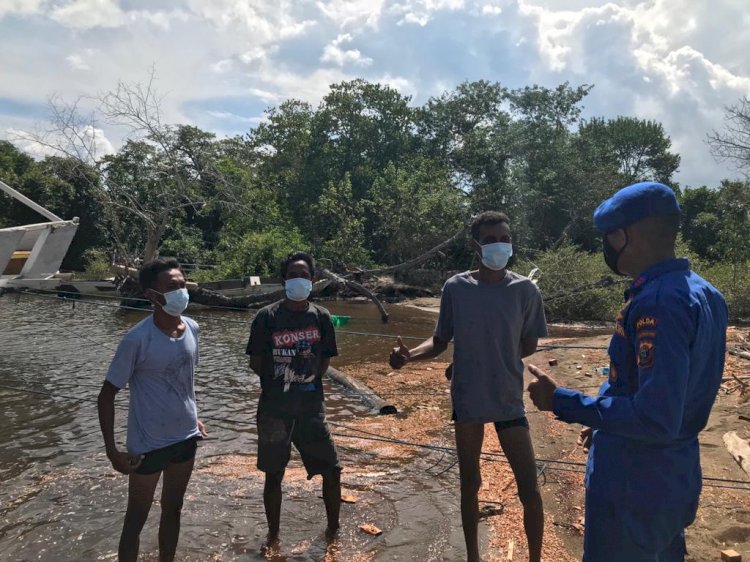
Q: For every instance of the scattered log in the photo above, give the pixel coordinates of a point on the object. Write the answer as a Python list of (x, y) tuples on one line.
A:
[(737, 353), (359, 289), (133, 296), (739, 449), (413, 262), (366, 395)]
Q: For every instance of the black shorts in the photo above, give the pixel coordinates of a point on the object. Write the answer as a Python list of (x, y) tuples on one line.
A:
[(500, 425), (518, 422), (159, 459), (308, 432)]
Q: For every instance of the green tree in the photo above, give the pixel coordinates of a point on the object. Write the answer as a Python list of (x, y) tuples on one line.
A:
[(340, 236), (414, 208)]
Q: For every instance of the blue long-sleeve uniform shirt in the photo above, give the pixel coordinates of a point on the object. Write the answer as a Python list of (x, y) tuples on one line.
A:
[(667, 360)]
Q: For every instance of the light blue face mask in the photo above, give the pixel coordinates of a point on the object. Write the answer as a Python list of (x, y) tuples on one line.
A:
[(495, 256), (176, 302), (298, 289)]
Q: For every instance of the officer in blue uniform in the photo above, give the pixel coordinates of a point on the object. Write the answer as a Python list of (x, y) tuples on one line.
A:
[(643, 476)]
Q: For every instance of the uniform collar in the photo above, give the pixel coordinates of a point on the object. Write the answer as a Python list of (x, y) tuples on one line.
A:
[(661, 268)]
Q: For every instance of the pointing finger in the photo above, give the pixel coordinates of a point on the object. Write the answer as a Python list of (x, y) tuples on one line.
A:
[(536, 371)]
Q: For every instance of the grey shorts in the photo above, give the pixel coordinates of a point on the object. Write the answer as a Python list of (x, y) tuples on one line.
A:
[(308, 432)]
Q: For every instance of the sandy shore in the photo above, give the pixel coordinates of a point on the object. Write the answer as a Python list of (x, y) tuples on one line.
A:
[(724, 517)]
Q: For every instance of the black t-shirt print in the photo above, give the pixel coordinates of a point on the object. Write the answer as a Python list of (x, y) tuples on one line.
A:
[(291, 345)]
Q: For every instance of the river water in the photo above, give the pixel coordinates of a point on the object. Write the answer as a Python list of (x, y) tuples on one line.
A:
[(61, 500)]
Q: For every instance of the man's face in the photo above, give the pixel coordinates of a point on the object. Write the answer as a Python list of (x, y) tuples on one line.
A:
[(492, 234), (298, 270), (167, 281)]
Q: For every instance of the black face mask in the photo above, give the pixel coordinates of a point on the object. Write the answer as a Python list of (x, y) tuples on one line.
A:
[(612, 256)]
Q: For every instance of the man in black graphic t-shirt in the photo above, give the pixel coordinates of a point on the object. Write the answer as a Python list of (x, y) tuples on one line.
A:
[(291, 343)]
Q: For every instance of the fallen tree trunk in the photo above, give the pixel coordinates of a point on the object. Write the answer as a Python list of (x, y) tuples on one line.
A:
[(413, 262), (739, 449), (366, 395), (357, 288)]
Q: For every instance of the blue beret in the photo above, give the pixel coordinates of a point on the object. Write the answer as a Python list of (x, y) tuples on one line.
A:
[(634, 203)]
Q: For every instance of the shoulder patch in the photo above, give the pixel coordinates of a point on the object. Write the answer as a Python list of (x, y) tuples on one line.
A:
[(646, 322), (646, 354)]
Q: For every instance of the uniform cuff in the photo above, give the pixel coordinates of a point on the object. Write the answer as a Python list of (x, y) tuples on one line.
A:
[(564, 404)]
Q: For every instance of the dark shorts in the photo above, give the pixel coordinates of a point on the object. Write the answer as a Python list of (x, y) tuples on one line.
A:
[(500, 425), (518, 422), (159, 459), (308, 432)]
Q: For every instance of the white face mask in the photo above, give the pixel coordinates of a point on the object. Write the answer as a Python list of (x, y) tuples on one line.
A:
[(495, 256), (298, 289), (176, 302)]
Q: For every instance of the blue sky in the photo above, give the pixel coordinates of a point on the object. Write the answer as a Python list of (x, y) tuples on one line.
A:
[(220, 63)]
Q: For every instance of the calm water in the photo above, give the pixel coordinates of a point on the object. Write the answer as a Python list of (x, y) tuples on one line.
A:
[(60, 499)]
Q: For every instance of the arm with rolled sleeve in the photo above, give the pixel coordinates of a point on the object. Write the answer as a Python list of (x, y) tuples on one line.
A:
[(655, 412)]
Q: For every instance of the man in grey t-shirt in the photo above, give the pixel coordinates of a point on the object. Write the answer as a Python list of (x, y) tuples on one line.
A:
[(157, 360), (495, 318)]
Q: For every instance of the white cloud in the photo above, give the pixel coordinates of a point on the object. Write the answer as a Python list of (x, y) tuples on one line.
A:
[(20, 7), (420, 12), (86, 14), (261, 22), (677, 61), (76, 62), (333, 53), (264, 95), (223, 66), (80, 60), (94, 137), (352, 13)]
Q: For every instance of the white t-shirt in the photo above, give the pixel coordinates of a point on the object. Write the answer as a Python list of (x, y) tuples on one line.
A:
[(160, 372)]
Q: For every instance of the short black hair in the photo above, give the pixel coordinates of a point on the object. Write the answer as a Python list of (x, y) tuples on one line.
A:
[(150, 271), (298, 256), (487, 218)]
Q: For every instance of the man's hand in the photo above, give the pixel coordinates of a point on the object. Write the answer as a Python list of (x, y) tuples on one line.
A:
[(202, 429), (585, 438), (400, 355), (124, 463), (542, 390)]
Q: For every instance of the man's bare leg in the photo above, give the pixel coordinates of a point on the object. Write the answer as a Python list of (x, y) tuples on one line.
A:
[(141, 489), (176, 478), (332, 499), (518, 448), (272, 503), (469, 439)]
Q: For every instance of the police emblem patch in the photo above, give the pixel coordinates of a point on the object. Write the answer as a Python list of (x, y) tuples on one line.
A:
[(646, 352), (645, 323)]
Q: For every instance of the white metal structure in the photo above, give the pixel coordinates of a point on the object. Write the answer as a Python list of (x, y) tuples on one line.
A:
[(38, 249)]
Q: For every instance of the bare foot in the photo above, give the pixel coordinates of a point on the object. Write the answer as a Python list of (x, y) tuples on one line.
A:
[(271, 549), (332, 534)]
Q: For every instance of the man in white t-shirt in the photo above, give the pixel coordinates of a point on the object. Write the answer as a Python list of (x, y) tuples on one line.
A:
[(157, 360)]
